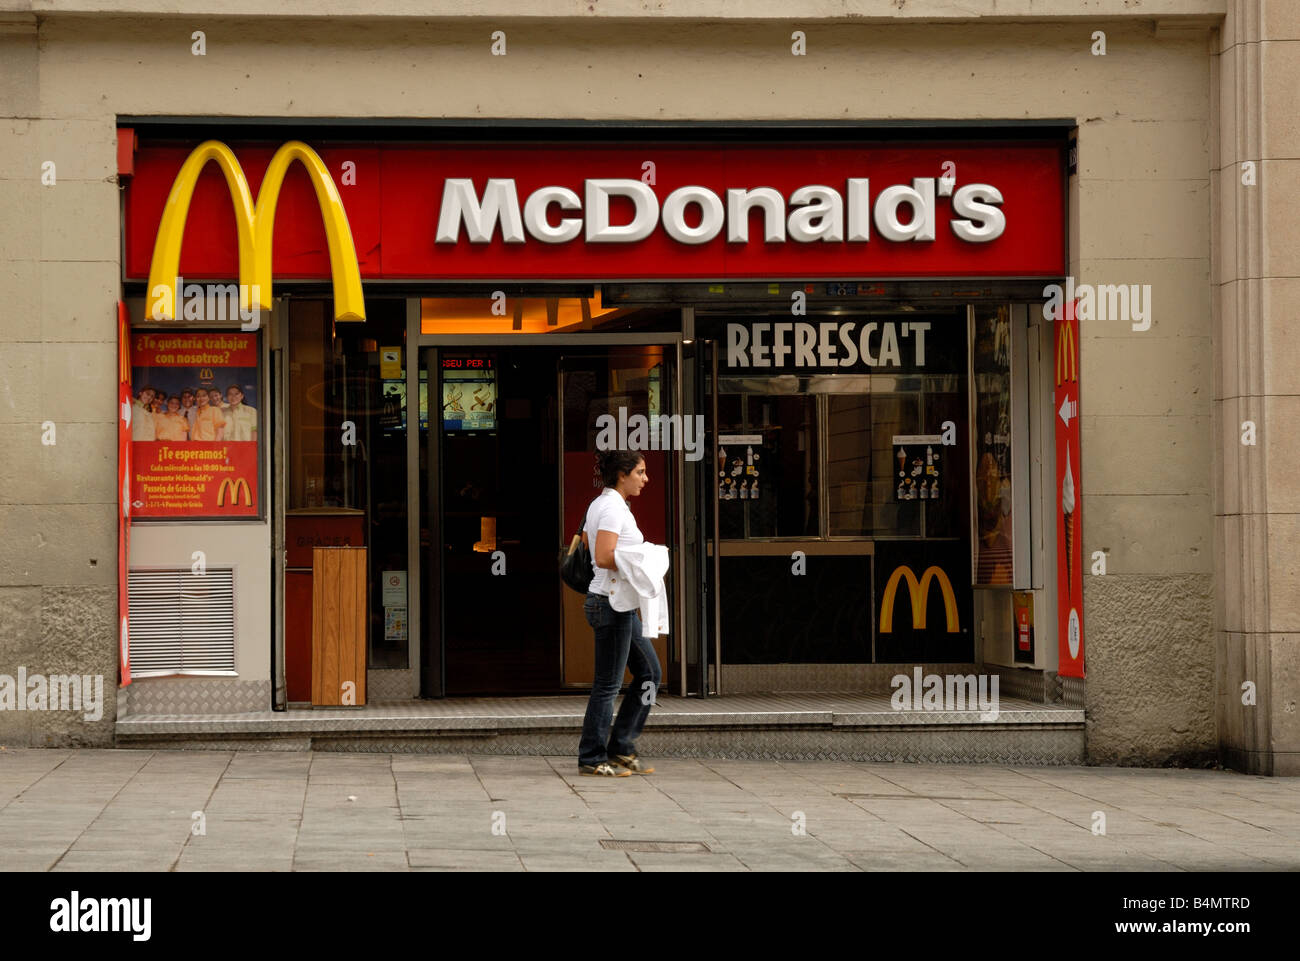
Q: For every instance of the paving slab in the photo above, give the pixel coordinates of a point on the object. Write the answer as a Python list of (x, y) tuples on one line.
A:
[(609, 861), (444, 859), (104, 810)]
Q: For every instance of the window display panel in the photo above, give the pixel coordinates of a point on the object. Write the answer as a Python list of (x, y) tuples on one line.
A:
[(895, 513), (469, 393), (883, 456), (888, 472), (347, 456), (767, 466), (848, 465), (597, 389), (827, 620), (918, 480), (991, 365), (943, 401)]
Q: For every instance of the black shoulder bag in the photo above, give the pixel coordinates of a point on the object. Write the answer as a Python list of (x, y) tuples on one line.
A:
[(575, 563)]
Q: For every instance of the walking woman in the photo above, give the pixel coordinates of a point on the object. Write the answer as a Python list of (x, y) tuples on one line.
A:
[(619, 642)]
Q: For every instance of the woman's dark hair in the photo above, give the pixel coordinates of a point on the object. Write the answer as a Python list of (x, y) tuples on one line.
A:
[(612, 462)]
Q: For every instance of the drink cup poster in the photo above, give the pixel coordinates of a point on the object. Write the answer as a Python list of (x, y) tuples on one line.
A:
[(196, 423)]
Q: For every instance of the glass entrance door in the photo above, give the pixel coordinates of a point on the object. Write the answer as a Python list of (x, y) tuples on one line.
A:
[(508, 466), (493, 414), (620, 398)]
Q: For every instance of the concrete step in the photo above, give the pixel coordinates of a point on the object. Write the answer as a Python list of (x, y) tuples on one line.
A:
[(859, 727)]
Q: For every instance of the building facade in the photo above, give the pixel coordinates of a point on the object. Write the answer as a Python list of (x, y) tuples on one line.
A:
[(1138, 159)]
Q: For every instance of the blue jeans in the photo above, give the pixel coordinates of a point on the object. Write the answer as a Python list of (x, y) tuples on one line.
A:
[(619, 645)]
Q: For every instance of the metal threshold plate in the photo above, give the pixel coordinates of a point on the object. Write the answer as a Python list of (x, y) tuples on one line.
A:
[(656, 847)]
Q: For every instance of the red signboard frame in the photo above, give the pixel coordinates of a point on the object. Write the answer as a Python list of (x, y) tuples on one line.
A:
[(393, 193)]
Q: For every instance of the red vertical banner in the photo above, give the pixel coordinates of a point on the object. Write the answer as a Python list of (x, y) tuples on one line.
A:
[(1069, 526), (124, 412)]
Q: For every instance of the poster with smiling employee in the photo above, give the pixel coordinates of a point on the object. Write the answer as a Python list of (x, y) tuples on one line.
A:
[(200, 459)]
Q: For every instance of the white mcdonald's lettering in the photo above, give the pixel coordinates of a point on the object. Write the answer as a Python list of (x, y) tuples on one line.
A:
[(815, 212)]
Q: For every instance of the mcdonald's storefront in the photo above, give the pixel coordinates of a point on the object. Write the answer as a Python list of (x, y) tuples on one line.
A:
[(857, 405)]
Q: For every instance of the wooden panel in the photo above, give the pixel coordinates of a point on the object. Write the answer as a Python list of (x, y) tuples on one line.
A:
[(580, 645), (338, 624), (579, 641)]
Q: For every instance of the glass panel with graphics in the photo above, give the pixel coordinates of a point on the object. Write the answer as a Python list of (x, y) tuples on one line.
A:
[(874, 451), (620, 398), (919, 483), (994, 448), (856, 425), (346, 471), (848, 465), (767, 470)]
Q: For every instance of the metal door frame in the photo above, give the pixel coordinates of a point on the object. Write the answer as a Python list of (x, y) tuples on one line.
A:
[(433, 343), (278, 467)]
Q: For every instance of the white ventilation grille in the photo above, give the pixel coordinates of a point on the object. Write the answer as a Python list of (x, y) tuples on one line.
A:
[(182, 622)]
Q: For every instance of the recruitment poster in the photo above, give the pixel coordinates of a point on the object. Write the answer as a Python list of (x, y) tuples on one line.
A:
[(196, 422)]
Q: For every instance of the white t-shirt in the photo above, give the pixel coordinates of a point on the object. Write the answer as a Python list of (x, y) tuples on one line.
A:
[(609, 512)]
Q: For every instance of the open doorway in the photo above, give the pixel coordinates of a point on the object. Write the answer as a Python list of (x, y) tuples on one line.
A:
[(516, 429)]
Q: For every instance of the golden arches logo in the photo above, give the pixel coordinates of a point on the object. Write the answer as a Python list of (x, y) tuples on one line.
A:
[(206, 374), (1067, 355), (919, 594), (254, 225), (233, 488)]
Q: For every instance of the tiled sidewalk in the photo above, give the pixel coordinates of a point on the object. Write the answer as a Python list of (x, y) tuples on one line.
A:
[(135, 810)]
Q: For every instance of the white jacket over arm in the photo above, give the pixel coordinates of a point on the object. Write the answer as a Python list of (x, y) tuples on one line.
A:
[(639, 584)]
